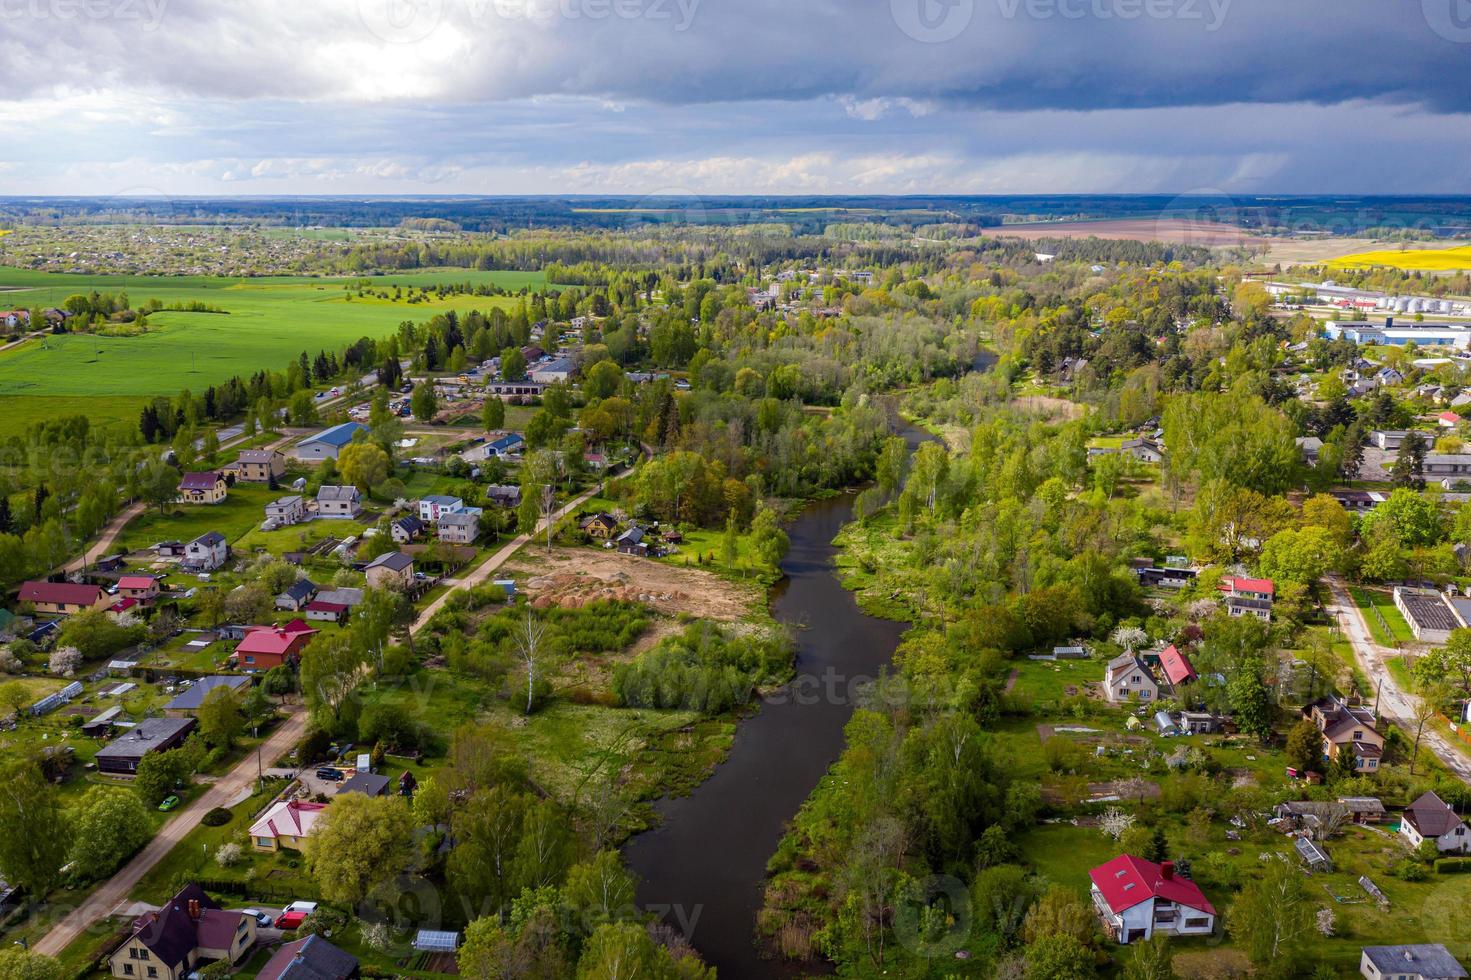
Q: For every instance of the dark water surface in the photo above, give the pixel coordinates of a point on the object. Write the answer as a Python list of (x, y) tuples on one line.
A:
[(706, 861)]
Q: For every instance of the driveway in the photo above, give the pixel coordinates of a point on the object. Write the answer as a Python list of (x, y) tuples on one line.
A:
[(225, 790), (1395, 703)]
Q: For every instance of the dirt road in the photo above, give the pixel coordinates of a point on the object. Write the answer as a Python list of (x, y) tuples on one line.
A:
[(1395, 703), (116, 889)]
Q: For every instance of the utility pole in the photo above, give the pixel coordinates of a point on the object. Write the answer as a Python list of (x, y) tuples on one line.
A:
[(1377, 688)]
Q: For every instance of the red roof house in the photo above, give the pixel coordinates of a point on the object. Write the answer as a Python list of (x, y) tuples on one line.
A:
[(61, 597), (265, 647), (1449, 419), (1255, 588), (1138, 898), (141, 587), (1176, 666)]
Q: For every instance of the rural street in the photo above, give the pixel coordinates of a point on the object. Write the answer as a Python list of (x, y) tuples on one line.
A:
[(222, 792), (1394, 703), (484, 569)]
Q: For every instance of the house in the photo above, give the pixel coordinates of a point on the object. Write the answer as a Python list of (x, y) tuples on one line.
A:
[(600, 526), (1144, 450), (297, 595), (1448, 420), (339, 503), (1431, 818), (260, 465), (265, 647), (367, 783), (1199, 722), (309, 958), (121, 606), (326, 612), (1429, 616), (206, 553), (1248, 596), (1347, 729), (190, 928), (1168, 576), (631, 542), (1417, 961), (285, 825), (435, 505), (121, 756), (203, 488), (344, 597), (503, 496), (460, 527), (286, 511), (62, 598), (1176, 667), (1137, 898), (390, 570), (189, 700), (596, 462), (406, 529), (329, 442), (1127, 679), (1310, 447), (144, 588)]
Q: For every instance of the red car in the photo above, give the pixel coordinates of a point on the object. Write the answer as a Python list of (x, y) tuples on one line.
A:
[(290, 920)]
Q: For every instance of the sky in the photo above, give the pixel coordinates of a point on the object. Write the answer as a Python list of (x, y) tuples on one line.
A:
[(661, 97)]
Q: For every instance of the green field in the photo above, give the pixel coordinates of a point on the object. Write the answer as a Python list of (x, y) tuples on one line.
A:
[(269, 321)]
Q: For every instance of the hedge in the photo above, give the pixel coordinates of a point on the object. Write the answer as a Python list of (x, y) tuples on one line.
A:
[(1451, 866)]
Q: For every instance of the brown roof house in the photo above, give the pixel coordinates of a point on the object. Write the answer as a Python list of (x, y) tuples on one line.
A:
[(1431, 818), (63, 598), (203, 488), (1128, 679), (1347, 729), (309, 958), (190, 928), (389, 570)]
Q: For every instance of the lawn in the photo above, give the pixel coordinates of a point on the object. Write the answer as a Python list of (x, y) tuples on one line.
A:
[(241, 511), (1371, 599), (269, 320)]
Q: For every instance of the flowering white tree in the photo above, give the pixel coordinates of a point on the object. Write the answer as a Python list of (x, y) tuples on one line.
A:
[(65, 661), (228, 855), (1115, 822), (1130, 637)]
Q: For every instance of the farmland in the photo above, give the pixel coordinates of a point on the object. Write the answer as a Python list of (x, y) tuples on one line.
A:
[(267, 322), (1410, 259)]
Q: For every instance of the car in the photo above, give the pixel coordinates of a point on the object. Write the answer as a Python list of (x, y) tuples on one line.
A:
[(169, 802), (261, 919), (290, 920), (330, 774)]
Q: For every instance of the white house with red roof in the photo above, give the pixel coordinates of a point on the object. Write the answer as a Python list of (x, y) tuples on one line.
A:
[(1137, 898), (1176, 667), (1249, 596), (1448, 420)]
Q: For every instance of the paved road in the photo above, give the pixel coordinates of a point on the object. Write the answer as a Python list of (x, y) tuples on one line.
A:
[(113, 892), (1394, 702), (483, 571)]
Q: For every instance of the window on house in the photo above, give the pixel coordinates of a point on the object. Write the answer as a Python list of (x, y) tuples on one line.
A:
[(153, 971), (128, 969)]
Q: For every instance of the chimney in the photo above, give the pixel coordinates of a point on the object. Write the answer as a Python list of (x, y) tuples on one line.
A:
[(194, 909), (1167, 870)]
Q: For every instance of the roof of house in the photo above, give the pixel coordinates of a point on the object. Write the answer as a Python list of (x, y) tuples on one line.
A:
[(338, 493), (69, 593), (371, 783), (193, 696), (1126, 881), (123, 605), (144, 737), (345, 597), (288, 818), (258, 455), (290, 500), (1127, 661), (338, 435), (459, 517), (1176, 665), (209, 539), (137, 582), (1431, 816), (200, 481), (395, 561), (1426, 959), (323, 606), (301, 589), (169, 932), (607, 520), (633, 535), (442, 500), (1449, 417), (409, 523), (271, 639), (1362, 804), (309, 958), (216, 928), (1240, 583)]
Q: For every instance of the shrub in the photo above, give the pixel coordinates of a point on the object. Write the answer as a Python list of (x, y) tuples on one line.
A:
[(1410, 870), (1454, 865), (217, 817), (228, 855)]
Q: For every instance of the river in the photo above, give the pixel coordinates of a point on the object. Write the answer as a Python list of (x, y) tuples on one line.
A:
[(703, 868)]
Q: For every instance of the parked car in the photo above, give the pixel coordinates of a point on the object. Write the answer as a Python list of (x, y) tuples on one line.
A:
[(261, 919), (330, 774), (169, 802)]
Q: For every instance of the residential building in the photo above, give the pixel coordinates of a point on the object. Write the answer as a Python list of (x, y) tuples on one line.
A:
[(309, 958), (168, 944), (121, 756), (1430, 818), (62, 598), (434, 505), (1310, 447), (1448, 420), (1364, 809), (285, 825), (1347, 729), (203, 488), (1430, 617), (297, 595), (144, 588), (265, 647), (406, 529), (367, 783), (1248, 596), (595, 462), (459, 527), (339, 503), (327, 612), (206, 553), (260, 465), (346, 597), (286, 511), (631, 542), (1127, 679), (600, 526), (188, 701), (329, 442), (503, 496), (393, 569), (1417, 961), (1176, 667), (1144, 450), (1138, 898)]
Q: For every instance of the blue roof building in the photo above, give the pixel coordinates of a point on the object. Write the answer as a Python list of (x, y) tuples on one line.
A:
[(329, 442)]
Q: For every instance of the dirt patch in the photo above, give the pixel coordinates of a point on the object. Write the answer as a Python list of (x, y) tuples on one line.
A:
[(1049, 407), (573, 577), (1177, 230), (1215, 964)]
